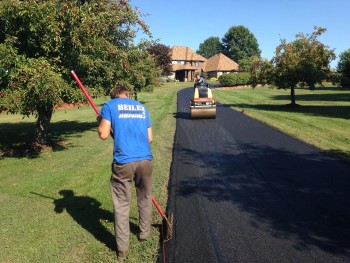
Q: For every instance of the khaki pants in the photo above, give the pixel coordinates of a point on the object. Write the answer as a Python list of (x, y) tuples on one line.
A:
[(121, 189)]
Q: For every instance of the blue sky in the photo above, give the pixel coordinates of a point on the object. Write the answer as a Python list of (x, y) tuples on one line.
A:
[(189, 22)]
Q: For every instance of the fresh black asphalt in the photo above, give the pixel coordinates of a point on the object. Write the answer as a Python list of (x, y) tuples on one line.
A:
[(241, 191)]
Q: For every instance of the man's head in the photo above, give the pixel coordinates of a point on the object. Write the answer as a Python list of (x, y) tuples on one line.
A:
[(119, 92), (198, 76)]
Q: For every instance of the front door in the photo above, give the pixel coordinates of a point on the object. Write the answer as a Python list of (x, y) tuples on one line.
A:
[(180, 75)]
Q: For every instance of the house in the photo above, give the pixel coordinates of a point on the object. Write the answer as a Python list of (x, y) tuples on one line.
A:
[(185, 63), (219, 64)]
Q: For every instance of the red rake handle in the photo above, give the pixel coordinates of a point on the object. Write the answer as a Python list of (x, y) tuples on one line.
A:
[(158, 207), (81, 86)]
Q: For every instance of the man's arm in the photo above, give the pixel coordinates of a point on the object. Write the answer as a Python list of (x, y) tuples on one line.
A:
[(104, 129), (150, 135)]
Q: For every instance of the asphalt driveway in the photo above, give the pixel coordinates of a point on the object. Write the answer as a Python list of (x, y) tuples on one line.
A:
[(241, 191)]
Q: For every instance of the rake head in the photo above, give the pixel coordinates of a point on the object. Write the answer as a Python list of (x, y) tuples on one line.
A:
[(168, 227)]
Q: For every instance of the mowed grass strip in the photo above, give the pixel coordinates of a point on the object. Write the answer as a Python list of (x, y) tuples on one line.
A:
[(55, 203), (322, 120)]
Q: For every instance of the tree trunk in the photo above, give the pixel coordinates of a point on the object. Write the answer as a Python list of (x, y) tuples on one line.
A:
[(292, 96), (42, 125)]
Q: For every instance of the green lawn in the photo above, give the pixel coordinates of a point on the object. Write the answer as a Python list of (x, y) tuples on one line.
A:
[(323, 118), (55, 203)]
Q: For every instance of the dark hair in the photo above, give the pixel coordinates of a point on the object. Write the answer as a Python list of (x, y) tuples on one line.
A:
[(116, 91)]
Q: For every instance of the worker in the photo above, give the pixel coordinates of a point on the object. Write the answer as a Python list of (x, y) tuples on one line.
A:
[(199, 80), (128, 120)]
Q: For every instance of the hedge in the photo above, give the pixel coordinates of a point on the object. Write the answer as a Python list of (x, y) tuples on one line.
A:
[(234, 79)]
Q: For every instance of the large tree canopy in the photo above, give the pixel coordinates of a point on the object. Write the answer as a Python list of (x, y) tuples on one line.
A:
[(239, 43), (305, 60), (210, 47), (42, 41)]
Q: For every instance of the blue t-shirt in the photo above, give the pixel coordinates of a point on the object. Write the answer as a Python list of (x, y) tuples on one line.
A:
[(200, 81), (130, 122)]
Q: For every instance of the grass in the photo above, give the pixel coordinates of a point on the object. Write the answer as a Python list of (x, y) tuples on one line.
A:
[(55, 203), (322, 120)]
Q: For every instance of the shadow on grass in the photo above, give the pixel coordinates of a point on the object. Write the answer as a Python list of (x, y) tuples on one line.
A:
[(17, 139), (86, 211), (325, 88), (336, 97), (342, 112)]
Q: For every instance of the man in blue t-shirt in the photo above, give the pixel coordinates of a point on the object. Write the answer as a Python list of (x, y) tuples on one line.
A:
[(129, 124)]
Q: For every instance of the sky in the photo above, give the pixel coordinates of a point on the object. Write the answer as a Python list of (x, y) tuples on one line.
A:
[(189, 22)]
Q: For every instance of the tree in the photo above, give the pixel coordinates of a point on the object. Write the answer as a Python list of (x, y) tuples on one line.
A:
[(261, 72), (343, 68), (143, 74), (239, 43), (210, 47), (162, 58), (303, 61), (42, 41), (245, 64)]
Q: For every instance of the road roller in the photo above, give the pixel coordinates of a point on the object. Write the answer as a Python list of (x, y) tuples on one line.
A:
[(203, 106)]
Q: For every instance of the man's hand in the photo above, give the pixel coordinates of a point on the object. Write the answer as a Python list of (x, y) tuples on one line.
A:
[(99, 119)]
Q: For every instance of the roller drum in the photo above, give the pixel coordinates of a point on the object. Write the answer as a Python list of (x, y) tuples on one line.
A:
[(203, 113)]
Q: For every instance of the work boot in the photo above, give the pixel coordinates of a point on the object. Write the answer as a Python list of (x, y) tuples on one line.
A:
[(141, 240), (122, 255)]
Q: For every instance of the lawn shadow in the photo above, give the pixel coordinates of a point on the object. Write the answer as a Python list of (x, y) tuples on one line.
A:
[(17, 139), (86, 211), (336, 97), (342, 112), (322, 88)]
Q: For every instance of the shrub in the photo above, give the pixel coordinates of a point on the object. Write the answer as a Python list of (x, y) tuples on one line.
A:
[(234, 79)]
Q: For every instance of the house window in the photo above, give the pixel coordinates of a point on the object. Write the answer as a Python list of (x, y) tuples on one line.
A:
[(196, 63), (178, 62)]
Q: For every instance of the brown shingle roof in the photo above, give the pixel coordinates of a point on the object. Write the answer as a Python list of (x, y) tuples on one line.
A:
[(176, 67), (220, 62), (185, 54)]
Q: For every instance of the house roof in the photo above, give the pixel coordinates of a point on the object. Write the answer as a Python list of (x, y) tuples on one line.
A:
[(185, 54), (176, 67), (220, 62)]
